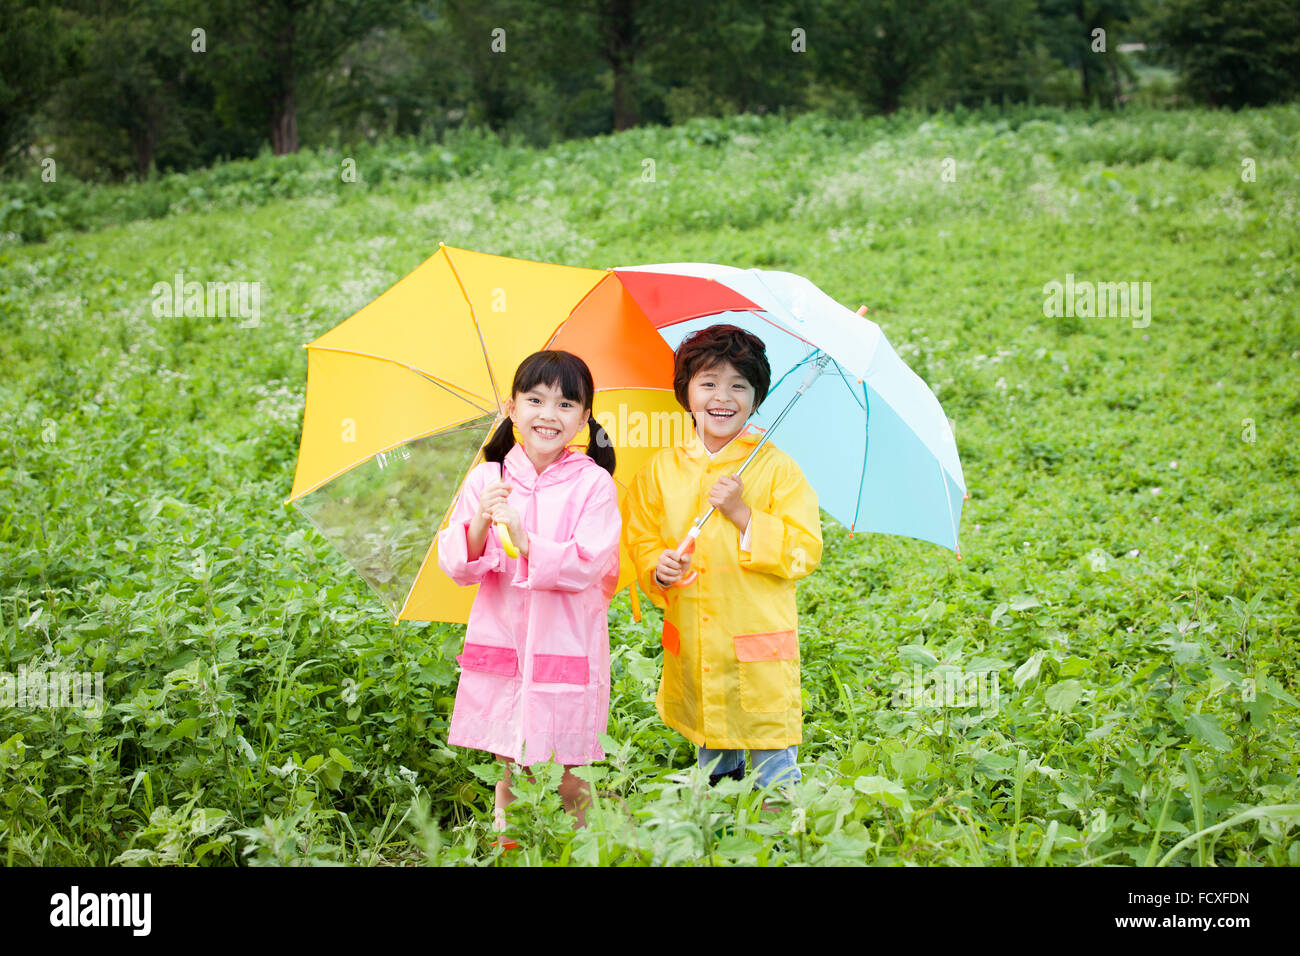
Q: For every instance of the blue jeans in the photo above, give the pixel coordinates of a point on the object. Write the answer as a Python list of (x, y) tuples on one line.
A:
[(774, 766)]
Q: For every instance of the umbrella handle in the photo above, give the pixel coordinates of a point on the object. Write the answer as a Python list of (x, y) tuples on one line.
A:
[(686, 547), (506, 541), (503, 533)]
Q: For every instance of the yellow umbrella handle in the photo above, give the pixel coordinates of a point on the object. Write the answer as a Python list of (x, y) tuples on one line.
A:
[(503, 533), (506, 541)]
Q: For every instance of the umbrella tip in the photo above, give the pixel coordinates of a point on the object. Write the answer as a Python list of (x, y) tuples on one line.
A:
[(966, 496), (863, 310), (958, 550), (441, 244)]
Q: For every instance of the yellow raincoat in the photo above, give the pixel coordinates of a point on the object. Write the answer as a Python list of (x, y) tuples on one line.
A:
[(731, 649)]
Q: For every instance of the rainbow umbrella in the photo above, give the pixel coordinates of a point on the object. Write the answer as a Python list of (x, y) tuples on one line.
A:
[(402, 396)]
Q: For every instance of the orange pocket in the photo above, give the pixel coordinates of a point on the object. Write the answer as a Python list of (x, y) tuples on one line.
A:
[(771, 646), (672, 639)]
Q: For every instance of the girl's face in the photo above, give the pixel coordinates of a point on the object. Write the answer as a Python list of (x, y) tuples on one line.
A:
[(547, 421), (721, 401)]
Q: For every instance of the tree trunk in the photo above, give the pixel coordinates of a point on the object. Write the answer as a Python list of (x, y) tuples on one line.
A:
[(620, 52), (1087, 52), (284, 124), (284, 119)]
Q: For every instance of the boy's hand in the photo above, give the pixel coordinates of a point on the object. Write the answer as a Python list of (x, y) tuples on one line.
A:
[(671, 568), (725, 496)]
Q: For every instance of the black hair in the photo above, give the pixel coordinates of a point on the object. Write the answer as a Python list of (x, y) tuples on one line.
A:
[(568, 373), (713, 346)]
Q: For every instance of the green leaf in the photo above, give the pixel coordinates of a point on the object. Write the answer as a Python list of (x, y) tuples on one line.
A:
[(910, 764), (186, 728), (1028, 670), (917, 654), (884, 790), (1062, 696), (331, 774), (1205, 727)]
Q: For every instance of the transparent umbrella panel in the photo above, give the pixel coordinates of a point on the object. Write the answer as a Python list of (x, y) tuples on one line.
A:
[(384, 513)]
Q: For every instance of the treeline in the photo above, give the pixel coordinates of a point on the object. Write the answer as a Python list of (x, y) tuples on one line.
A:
[(112, 89)]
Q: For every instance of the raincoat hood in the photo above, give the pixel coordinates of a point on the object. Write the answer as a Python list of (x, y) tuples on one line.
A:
[(523, 472)]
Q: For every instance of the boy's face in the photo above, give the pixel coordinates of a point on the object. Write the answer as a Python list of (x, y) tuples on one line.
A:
[(721, 401)]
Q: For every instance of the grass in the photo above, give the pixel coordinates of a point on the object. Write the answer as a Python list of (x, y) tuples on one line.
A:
[(1125, 550)]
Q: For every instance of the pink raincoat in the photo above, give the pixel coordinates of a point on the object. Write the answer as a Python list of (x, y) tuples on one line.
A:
[(534, 681)]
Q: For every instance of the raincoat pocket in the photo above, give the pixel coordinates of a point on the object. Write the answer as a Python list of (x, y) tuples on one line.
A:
[(559, 669), (488, 659), (768, 667), (672, 639), (672, 642)]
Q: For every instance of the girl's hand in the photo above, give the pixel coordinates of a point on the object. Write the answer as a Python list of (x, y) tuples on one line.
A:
[(510, 518), (494, 495), (671, 567), (725, 496)]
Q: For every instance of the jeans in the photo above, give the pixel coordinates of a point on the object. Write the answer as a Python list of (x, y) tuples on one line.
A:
[(774, 766)]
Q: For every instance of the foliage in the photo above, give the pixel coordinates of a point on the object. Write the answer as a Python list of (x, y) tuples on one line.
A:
[(1126, 549), (1234, 54)]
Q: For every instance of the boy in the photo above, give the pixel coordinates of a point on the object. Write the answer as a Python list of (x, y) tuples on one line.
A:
[(731, 652)]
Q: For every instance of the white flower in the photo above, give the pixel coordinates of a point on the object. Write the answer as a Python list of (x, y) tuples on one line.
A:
[(1173, 464), (1134, 553)]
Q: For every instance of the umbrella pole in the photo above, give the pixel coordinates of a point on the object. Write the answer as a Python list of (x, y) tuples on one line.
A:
[(688, 543)]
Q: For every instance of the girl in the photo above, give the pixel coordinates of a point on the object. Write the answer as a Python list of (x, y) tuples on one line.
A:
[(534, 681)]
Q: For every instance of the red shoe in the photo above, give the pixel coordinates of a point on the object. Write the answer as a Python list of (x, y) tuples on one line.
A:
[(499, 824)]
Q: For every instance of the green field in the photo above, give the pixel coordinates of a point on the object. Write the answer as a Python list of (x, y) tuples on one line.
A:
[(1133, 503)]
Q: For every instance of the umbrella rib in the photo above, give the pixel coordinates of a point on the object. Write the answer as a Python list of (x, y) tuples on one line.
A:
[(587, 295), (802, 362), (866, 442), (410, 368), (361, 461), (496, 394), (847, 385), (943, 479)]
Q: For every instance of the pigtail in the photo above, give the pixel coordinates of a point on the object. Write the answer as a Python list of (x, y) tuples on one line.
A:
[(499, 445), (600, 448)]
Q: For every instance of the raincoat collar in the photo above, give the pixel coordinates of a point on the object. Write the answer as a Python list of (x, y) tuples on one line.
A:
[(522, 471), (737, 449)]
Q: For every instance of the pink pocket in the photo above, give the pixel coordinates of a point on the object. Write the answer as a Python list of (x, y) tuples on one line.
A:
[(559, 669), (488, 659)]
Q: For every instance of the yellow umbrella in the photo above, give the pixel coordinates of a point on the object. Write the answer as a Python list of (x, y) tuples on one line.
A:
[(402, 396)]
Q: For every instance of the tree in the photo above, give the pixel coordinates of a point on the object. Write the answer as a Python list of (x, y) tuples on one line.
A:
[(34, 53), (1245, 53), (881, 49), (265, 56)]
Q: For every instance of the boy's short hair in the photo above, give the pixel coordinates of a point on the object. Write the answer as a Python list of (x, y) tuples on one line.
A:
[(716, 344)]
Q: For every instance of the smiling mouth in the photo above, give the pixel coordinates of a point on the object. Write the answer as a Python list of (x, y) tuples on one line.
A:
[(546, 432), (721, 414)]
